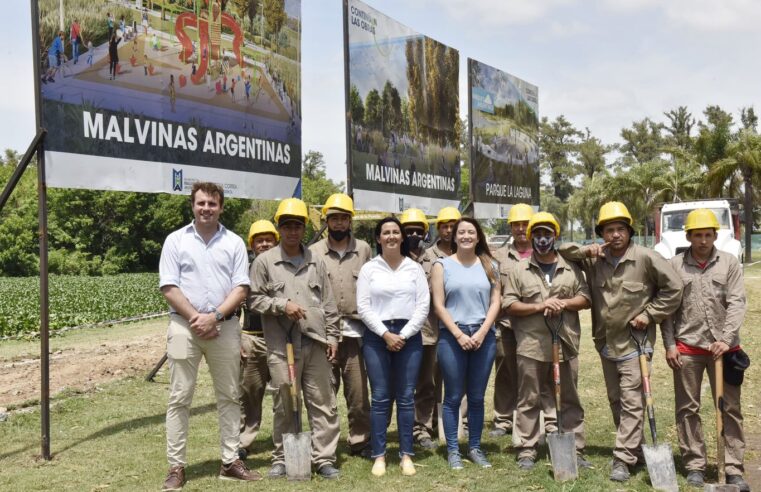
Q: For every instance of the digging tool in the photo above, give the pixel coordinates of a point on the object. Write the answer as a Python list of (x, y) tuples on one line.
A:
[(562, 444), (297, 446), (659, 459), (721, 486)]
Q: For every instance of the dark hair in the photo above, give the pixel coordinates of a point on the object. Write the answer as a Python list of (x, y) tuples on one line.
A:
[(379, 226), (208, 188), (482, 247)]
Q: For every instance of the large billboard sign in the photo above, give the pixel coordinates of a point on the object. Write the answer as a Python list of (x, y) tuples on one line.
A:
[(402, 115), (504, 120), (153, 100)]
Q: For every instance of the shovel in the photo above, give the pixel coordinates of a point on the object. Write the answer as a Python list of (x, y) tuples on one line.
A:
[(719, 378), (297, 446), (660, 461), (562, 444)]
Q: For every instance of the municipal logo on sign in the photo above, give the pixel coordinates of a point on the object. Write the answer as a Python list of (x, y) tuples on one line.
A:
[(176, 179)]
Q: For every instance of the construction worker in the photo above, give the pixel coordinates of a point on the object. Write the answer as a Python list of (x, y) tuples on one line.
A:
[(415, 227), (540, 290), (253, 350), (505, 363), (706, 327), (291, 290), (343, 256), (428, 390), (632, 288)]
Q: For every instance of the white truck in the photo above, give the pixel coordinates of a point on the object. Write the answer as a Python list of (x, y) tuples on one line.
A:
[(669, 226)]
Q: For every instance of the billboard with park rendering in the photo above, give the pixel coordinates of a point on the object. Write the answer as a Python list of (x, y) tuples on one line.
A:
[(504, 120), (154, 96), (402, 115)]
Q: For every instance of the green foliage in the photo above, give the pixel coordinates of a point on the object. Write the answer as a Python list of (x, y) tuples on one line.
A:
[(316, 187), (76, 300)]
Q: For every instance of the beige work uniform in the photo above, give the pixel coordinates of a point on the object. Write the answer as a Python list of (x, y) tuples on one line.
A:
[(429, 382), (276, 279), (527, 284), (254, 377), (641, 282), (713, 307), (343, 270)]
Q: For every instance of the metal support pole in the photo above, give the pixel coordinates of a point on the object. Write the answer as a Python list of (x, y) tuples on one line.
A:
[(21, 167)]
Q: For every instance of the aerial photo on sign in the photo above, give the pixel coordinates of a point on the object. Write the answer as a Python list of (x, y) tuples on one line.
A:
[(402, 116), (504, 149), (154, 96)]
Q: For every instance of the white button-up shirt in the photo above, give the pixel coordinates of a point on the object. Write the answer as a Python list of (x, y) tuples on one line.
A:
[(384, 294), (205, 273)]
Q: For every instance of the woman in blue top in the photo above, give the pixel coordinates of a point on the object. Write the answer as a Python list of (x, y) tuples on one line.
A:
[(466, 299)]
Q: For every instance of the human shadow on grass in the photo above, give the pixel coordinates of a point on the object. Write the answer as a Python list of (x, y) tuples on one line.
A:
[(133, 424)]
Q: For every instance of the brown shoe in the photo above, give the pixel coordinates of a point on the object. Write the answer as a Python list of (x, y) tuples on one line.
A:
[(175, 480), (237, 471)]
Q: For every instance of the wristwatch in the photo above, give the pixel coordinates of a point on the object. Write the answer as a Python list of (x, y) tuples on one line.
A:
[(218, 316)]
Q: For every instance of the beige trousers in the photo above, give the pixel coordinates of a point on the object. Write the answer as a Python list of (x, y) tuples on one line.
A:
[(254, 377), (427, 394), (535, 381), (687, 384), (623, 381), (351, 369), (184, 352), (313, 373), (505, 380)]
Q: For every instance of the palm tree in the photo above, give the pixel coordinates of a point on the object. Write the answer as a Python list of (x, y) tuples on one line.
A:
[(743, 161), (641, 187)]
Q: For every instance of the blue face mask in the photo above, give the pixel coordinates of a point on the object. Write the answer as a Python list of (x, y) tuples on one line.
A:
[(543, 245)]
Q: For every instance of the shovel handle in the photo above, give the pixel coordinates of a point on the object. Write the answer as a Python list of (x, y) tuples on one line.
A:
[(719, 382), (647, 392), (554, 328)]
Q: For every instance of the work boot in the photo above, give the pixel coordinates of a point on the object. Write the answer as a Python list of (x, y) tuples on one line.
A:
[(500, 432), (526, 463), (328, 472), (477, 457), (277, 471), (175, 479), (695, 478), (582, 463), (365, 452), (427, 443), (237, 471), (455, 461), (738, 480), (619, 472)]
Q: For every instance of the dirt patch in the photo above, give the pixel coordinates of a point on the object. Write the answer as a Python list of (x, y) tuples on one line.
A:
[(79, 368)]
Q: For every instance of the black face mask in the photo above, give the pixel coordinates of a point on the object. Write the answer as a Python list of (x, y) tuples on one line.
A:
[(339, 235), (543, 245), (413, 242)]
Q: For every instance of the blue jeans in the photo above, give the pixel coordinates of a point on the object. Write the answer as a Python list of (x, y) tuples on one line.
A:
[(465, 371), (75, 50), (392, 376)]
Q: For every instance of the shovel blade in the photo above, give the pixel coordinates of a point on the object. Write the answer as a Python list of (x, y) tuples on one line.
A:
[(298, 455), (660, 467), (720, 487), (563, 456)]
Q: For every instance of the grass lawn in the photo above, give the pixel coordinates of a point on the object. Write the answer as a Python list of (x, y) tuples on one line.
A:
[(113, 438)]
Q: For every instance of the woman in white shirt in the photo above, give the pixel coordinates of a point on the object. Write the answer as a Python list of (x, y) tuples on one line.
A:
[(393, 301)]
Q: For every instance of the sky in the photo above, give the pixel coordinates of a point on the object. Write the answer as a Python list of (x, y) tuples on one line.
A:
[(601, 63)]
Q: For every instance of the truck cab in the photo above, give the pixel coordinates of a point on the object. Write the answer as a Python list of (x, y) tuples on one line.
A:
[(671, 239)]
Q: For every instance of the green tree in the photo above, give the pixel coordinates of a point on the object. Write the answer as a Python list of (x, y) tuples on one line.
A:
[(640, 188), (249, 9), (274, 15), (316, 187), (557, 143), (356, 108), (373, 110), (643, 142), (679, 129), (19, 246), (714, 137), (591, 154)]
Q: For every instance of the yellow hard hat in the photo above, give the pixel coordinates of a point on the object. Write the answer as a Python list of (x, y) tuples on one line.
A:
[(341, 201), (414, 216), (448, 214), (611, 211), (542, 218), (520, 212), (293, 207), (701, 218), (261, 227)]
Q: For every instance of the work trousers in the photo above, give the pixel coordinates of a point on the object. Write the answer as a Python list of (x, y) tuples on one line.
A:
[(313, 382), (184, 352), (505, 380), (254, 377), (534, 382), (427, 394), (687, 384), (623, 381), (351, 369)]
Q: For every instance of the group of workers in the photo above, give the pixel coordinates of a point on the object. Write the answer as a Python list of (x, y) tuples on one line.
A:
[(411, 321)]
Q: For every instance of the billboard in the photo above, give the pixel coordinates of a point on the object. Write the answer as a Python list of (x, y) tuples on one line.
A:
[(154, 99), (402, 114), (504, 121)]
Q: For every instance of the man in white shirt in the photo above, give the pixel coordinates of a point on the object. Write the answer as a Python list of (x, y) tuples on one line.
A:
[(203, 274)]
